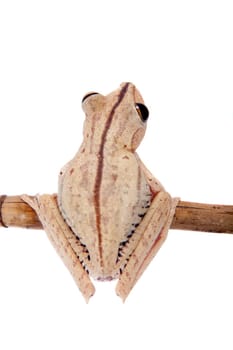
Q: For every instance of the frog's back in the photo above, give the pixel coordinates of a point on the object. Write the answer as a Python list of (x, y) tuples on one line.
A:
[(103, 201)]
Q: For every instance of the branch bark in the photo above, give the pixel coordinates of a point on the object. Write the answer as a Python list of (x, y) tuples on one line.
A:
[(14, 212)]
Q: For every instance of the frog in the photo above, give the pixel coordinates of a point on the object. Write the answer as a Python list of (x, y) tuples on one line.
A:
[(110, 215)]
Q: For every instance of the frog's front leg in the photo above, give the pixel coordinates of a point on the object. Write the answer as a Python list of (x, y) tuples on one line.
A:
[(153, 231), (63, 239)]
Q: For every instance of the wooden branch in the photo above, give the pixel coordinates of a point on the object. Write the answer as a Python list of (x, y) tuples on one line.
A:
[(15, 212), (203, 217), (189, 216)]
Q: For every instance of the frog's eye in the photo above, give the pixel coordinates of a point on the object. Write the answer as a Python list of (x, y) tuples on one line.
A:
[(88, 95), (142, 111)]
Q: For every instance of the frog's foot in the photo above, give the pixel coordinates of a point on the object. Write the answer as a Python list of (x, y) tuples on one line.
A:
[(153, 231), (62, 238)]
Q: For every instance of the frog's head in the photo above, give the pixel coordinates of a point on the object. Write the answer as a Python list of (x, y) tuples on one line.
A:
[(117, 120)]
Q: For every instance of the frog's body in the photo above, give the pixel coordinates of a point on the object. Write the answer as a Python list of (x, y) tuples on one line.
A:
[(116, 213), (103, 192)]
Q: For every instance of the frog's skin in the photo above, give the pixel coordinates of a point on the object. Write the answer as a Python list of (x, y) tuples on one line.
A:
[(112, 215)]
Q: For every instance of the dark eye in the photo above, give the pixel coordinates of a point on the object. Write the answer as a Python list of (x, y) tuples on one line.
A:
[(142, 111), (88, 95)]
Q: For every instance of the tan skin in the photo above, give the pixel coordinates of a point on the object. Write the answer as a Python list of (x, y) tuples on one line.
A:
[(112, 215)]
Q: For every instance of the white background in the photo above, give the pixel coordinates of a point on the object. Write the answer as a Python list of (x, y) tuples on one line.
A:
[(180, 56)]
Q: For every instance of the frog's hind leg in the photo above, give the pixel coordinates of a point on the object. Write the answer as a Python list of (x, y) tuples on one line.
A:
[(63, 239), (153, 231)]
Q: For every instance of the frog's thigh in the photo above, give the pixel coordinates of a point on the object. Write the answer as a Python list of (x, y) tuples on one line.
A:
[(60, 236), (153, 231)]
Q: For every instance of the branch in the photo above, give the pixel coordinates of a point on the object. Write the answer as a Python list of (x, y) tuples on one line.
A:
[(188, 216)]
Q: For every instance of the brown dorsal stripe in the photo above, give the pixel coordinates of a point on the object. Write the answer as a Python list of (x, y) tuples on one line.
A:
[(100, 167)]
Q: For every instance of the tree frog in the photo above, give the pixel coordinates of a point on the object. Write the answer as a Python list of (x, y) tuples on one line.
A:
[(111, 215)]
